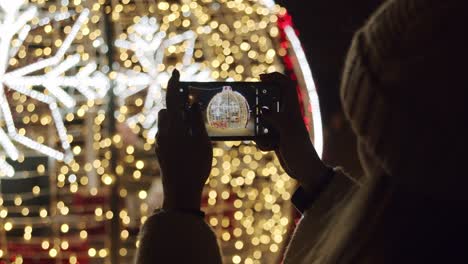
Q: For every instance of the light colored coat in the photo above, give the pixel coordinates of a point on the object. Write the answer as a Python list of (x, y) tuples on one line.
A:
[(172, 237)]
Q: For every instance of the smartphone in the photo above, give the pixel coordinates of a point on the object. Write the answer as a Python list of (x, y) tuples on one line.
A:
[(232, 110)]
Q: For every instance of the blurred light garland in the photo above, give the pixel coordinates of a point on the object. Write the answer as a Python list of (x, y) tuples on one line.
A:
[(15, 23), (56, 211)]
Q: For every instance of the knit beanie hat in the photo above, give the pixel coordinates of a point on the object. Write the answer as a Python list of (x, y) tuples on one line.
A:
[(404, 90)]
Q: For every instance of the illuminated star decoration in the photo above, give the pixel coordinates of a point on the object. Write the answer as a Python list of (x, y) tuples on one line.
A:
[(87, 81), (149, 45)]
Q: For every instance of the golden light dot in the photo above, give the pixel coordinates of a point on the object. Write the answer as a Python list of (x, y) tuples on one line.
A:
[(36, 190), (274, 32), (98, 211), (248, 261), (73, 188), (275, 208), (237, 232), (18, 259), (43, 213), (212, 194), (109, 215), (124, 234), (163, 5), (27, 236), (138, 102), (64, 245), (126, 220), (140, 164), (237, 203), (236, 259), (76, 150), (130, 150), (73, 260), (84, 180), (123, 252), (273, 248), (245, 46), (53, 252), (213, 221), (3, 213), (238, 215), (83, 234), (64, 228), (61, 177), (107, 179), (18, 201), (142, 194), (25, 211), (239, 245), (103, 253), (137, 174), (22, 131), (45, 244), (30, 107), (226, 236), (92, 252)]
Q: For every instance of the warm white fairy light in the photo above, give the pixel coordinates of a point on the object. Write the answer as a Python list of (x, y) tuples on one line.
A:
[(8, 146), (310, 85), (149, 45), (241, 172), (91, 84)]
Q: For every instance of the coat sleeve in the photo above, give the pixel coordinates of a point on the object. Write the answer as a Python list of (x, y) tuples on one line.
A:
[(316, 217), (176, 237)]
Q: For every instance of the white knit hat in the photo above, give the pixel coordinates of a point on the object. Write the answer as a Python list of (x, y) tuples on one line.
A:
[(404, 89)]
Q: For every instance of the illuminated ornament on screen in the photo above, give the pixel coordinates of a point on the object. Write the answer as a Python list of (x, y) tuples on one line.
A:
[(149, 45), (90, 83), (228, 110)]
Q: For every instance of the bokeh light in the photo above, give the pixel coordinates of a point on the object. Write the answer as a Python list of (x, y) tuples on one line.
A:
[(79, 177)]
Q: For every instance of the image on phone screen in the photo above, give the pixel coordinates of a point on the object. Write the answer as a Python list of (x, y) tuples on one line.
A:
[(228, 110)]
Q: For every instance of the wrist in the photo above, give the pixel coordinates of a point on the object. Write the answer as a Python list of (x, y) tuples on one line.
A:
[(313, 177), (304, 198), (181, 201)]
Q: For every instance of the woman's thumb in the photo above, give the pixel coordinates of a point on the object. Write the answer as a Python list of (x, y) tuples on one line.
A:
[(197, 122)]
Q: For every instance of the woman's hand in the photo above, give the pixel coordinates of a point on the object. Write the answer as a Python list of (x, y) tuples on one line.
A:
[(183, 149), (295, 151)]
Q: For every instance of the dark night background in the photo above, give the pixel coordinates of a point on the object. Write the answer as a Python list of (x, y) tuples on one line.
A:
[(326, 28)]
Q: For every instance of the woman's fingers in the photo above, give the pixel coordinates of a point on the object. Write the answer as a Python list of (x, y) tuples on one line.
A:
[(197, 123), (265, 144), (174, 98), (274, 119), (288, 91), (175, 103), (274, 77)]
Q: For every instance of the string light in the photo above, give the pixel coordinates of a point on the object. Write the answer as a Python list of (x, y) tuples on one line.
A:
[(245, 183), (15, 22), (54, 118), (149, 45)]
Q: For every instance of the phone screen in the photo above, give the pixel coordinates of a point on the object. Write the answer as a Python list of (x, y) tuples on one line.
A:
[(231, 110), (228, 110)]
